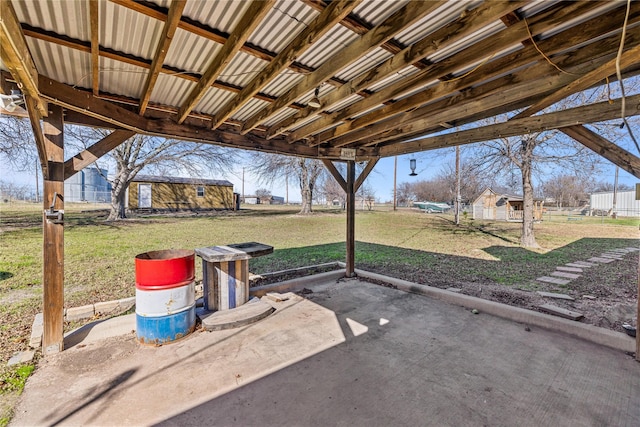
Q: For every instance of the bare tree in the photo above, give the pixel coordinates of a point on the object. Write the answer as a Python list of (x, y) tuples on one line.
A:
[(528, 153), (154, 155), (332, 190), (17, 145), (567, 190), (270, 167)]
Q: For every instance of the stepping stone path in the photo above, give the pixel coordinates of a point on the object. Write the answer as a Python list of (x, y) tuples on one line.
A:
[(565, 273)]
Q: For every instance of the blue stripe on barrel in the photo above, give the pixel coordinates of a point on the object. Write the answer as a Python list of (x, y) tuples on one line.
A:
[(165, 329), (232, 284)]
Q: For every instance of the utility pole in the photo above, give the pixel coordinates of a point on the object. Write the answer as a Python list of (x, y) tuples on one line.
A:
[(457, 207), (286, 183), (614, 214), (395, 173), (242, 185)]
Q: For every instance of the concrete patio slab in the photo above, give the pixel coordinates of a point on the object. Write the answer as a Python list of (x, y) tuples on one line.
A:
[(350, 353), (554, 280)]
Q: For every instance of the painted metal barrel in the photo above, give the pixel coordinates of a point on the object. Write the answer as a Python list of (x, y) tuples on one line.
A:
[(165, 295)]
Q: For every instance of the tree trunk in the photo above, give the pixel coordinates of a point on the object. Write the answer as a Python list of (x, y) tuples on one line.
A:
[(118, 205), (307, 197), (528, 239)]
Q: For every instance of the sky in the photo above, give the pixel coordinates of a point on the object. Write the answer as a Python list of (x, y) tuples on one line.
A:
[(429, 164)]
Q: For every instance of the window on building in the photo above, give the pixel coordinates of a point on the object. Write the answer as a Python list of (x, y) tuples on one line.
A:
[(200, 191)]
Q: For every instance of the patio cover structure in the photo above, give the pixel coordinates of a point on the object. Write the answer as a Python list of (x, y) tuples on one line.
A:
[(341, 81)]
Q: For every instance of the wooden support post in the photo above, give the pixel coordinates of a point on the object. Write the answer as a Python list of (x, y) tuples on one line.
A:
[(638, 316), (53, 233), (351, 217)]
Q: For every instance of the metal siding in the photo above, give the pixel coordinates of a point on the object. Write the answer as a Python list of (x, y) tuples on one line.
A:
[(249, 109), (70, 18), (451, 49), (363, 64), (61, 63), (435, 20), (285, 113), (213, 101), (336, 39), (282, 24), (171, 90), (376, 11), (222, 15), (393, 78), (242, 69), (121, 78), (191, 52), (282, 83), (128, 31), (626, 203)]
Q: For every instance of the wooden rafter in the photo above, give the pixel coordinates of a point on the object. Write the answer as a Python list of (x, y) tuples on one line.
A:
[(169, 29), (409, 14), (555, 120), (480, 51), (498, 93), (467, 24), (85, 103), (209, 33), (628, 58), (16, 56), (71, 43), (333, 14), (95, 152), (483, 50), (605, 148), (94, 28), (247, 24)]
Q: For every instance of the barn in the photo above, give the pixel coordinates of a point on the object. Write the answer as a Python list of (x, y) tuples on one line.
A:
[(172, 193), (498, 206)]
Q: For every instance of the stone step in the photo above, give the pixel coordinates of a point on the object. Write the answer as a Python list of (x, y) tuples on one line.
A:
[(631, 249), (554, 280), (561, 312), (555, 295), (565, 275), (612, 256), (601, 260), (580, 264), (620, 250), (569, 269)]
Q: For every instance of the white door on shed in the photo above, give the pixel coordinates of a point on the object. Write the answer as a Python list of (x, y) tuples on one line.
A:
[(144, 196)]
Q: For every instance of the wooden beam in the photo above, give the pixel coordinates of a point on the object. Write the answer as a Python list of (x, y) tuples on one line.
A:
[(333, 14), (85, 103), (256, 11), (605, 148), (209, 33), (408, 15), (580, 115), (335, 173), (38, 136), (581, 83), (53, 234), (473, 54), (48, 36), (168, 31), (455, 31), (466, 58), (95, 152), (15, 54), (94, 29), (364, 174), (351, 219)]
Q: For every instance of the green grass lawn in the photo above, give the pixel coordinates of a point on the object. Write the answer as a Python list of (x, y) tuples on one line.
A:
[(408, 244)]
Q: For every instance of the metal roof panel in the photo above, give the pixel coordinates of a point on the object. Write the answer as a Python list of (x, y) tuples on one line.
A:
[(282, 24), (191, 52)]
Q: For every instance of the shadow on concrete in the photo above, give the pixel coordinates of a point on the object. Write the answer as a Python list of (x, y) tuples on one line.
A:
[(409, 360)]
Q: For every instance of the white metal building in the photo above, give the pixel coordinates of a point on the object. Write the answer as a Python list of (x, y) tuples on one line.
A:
[(626, 203)]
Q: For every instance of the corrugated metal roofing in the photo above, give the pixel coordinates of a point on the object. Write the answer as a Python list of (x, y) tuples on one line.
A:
[(126, 31), (129, 33), (69, 18), (282, 24), (191, 52)]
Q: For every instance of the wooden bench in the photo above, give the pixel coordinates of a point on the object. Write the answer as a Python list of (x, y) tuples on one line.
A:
[(225, 273)]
